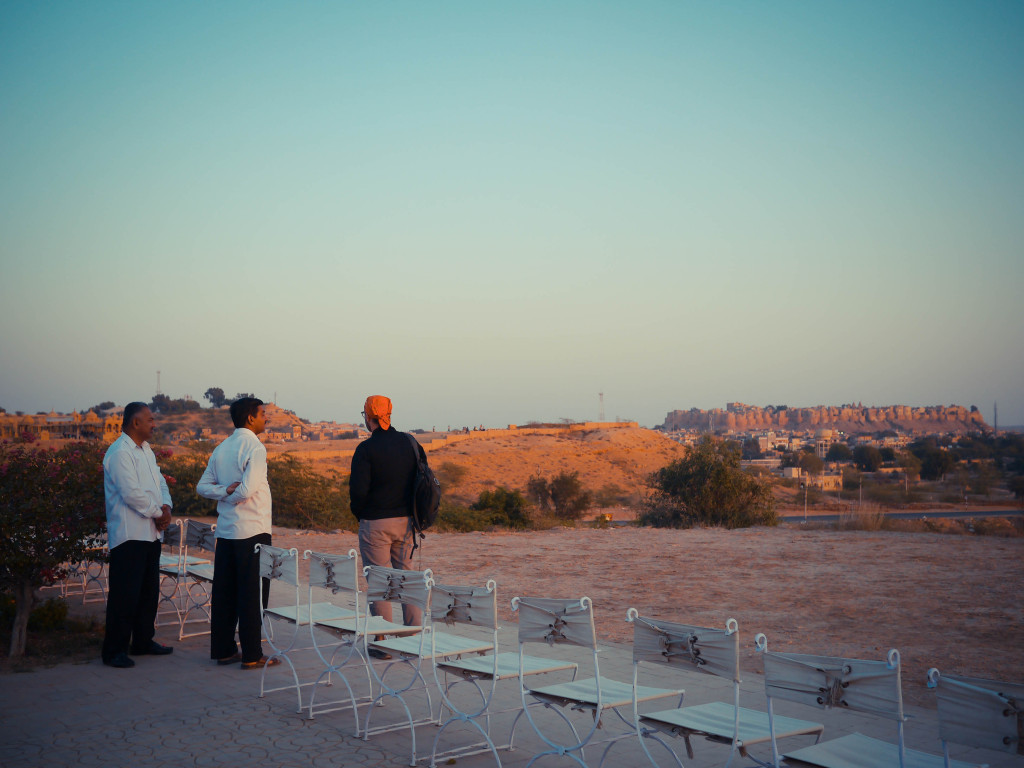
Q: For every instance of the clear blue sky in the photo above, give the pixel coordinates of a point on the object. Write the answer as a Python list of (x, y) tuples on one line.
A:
[(493, 211)]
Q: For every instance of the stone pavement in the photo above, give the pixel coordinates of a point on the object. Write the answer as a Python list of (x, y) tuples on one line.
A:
[(182, 710)]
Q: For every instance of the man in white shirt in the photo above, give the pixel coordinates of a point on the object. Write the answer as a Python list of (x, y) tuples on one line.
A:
[(236, 477), (138, 511)]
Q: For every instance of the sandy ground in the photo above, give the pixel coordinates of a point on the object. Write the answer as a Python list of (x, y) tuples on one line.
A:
[(953, 602)]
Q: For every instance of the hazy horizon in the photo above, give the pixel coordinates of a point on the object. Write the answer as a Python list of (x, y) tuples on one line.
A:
[(492, 213)]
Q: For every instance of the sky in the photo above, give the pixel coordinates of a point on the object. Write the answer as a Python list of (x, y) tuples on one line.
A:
[(493, 212)]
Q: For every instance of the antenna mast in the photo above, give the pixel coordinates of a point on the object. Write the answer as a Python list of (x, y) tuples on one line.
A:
[(158, 382), (600, 399)]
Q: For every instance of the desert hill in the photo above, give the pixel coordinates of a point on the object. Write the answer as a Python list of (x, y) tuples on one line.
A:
[(617, 459), (852, 419)]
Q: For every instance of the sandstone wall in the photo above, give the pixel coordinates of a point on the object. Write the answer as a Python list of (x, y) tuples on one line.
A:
[(848, 418)]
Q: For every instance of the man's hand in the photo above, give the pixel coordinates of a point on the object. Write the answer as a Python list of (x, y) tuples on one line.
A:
[(231, 488), (164, 521)]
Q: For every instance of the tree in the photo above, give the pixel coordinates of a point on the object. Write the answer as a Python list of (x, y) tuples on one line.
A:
[(811, 463), (867, 457), (506, 508), (41, 532), (707, 487), (240, 395), (216, 396), (568, 496), (751, 449), (537, 490), (104, 406), (839, 452)]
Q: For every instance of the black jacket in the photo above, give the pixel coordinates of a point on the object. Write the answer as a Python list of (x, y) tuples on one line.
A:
[(383, 475)]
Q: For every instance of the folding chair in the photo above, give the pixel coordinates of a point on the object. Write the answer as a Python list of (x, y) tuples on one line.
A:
[(976, 712), (553, 621), (410, 587), (281, 565), (196, 576), (474, 605), (857, 685), (715, 652), (334, 574), (171, 573)]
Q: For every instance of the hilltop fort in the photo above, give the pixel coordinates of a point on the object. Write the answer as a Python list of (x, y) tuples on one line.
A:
[(846, 418)]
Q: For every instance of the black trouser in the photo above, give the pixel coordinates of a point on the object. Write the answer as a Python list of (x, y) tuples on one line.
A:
[(236, 598), (133, 591)]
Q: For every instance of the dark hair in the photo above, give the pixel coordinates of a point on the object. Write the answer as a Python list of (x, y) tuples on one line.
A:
[(243, 408), (130, 412)]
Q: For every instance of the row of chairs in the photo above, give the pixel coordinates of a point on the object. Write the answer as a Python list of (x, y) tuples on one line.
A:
[(971, 711)]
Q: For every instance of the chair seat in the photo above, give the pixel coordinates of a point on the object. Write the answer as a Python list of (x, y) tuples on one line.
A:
[(445, 644), (508, 666), (860, 751), (717, 718), (613, 693), (202, 571), (376, 626), (321, 612)]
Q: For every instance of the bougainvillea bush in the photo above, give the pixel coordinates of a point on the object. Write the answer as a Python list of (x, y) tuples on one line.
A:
[(51, 515)]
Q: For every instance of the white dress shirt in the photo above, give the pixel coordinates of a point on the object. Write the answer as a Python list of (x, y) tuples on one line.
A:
[(245, 512), (135, 492)]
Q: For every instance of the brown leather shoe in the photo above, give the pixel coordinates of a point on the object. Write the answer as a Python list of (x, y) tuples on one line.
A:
[(262, 661), (233, 659)]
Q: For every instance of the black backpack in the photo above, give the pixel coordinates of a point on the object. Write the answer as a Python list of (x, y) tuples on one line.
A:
[(426, 494)]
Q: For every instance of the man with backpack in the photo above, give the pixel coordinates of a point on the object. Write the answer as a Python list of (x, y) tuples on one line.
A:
[(382, 491)]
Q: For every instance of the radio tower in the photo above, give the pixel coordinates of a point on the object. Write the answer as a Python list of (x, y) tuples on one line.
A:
[(158, 382), (600, 399)]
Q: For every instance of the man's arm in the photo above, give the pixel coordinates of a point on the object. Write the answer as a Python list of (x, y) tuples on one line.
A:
[(125, 476), (209, 488), (254, 475), (359, 482)]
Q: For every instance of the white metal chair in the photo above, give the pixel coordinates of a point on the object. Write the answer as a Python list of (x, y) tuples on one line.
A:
[(281, 565), (413, 588), (857, 685), (334, 575), (715, 652), (196, 577), (976, 712), (478, 606), (554, 621)]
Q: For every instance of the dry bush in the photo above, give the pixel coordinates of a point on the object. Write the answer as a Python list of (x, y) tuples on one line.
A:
[(870, 517)]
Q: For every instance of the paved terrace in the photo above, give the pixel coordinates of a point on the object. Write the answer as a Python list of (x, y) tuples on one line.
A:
[(182, 710)]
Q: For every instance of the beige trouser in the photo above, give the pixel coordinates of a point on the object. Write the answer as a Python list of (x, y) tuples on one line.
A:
[(388, 543)]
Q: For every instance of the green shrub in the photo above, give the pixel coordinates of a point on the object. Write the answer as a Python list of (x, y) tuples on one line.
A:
[(505, 508), (707, 487), (454, 518), (302, 497), (50, 614)]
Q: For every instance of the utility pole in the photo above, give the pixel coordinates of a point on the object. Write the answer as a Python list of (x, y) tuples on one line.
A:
[(158, 382), (600, 398)]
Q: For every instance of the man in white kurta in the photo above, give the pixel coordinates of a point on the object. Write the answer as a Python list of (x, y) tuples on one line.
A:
[(138, 511), (236, 477)]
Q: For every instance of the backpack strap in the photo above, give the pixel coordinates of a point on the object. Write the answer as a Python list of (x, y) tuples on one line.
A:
[(417, 532)]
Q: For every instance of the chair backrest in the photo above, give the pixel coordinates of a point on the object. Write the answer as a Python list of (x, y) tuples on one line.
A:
[(465, 605), (977, 712), (279, 564), (715, 651), (873, 687), (395, 585), (554, 621), (335, 573), (200, 535), (172, 535)]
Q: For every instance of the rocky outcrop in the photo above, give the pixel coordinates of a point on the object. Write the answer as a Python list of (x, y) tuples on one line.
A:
[(847, 418)]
